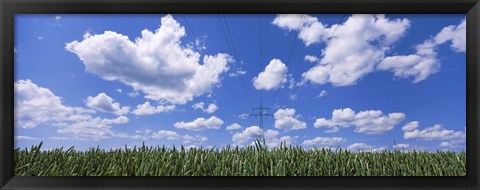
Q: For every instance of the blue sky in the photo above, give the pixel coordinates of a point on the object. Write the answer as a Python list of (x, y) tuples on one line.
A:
[(361, 82)]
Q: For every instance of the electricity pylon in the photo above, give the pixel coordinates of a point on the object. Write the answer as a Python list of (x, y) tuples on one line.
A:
[(262, 112)]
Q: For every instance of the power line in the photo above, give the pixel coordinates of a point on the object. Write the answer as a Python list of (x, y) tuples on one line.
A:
[(260, 57), (290, 52), (189, 27), (215, 68), (236, 60), (336, 26)]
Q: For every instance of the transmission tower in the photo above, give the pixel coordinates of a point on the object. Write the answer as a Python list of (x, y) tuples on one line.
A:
[(262, 112)]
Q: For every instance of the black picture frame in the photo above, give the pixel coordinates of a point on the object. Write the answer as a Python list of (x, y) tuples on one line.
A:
[(8, 8)]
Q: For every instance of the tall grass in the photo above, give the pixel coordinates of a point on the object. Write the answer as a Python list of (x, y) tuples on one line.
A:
[(235, 161)]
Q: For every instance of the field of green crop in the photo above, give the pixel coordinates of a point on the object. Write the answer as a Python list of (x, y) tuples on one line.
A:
[(249, 161)]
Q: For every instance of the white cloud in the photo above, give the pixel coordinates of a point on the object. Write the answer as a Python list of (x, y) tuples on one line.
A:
[(58, 17), (401, 146), (311, 58), (436, 132), (36, 105), (147, 109), (249, 134), (200, 124), (419, 65), (292, 97), (352, 51), (146, 134), (234, 126), (312, 31), (246, 135), (367, 122), (156, 63), (322, 94), (201, 106), (358, 47), (197, 140), (364, 147), (164, 134), (332, 130), (40, 38), (274, 75), (118, 90), (273, 140), (237, 73), (445, 144), (243, 116), (133, 94), (286, 119), (104, 103), (456, 34), (424, 62), (324, 141), (411, 126), (95, 128), (20, 137), (291, 81)]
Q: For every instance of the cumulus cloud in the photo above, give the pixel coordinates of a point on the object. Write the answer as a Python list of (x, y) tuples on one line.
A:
[(243, 116), (36, 106), (147, 109), (322, 94), (164, 134), (200, 124), (324, 141), (449, 138), (358, 47), (352, 51), (436, 132), (367, 122), (274, 75), (195, 140), (237, 73), (251, 133), (362, 147), (146, 134), (292, 97), (401, 146), (273, 139), (445, 144), (95, 128), (21, 137), (419, 65), (411, 126), (311, 30), (234, 126), (104, 103), (201, 106), (133, 94), (286, 119), (456, 34), (156, 63), (424, 62), (246, 135), (311, 58)]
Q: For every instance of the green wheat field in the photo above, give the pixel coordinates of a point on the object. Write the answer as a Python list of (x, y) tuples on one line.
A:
[(234, 161)]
